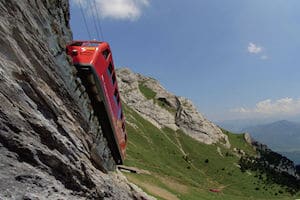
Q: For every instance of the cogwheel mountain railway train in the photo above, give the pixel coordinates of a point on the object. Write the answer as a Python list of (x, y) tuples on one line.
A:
[(94, 63)]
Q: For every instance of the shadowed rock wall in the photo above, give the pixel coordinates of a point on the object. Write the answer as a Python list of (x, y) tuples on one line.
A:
[(46, 131)]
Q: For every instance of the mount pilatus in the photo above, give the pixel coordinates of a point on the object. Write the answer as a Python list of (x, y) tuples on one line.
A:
[(165, 109), (48, 129)]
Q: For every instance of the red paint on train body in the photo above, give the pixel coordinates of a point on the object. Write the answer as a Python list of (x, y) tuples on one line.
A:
[(98, 56)]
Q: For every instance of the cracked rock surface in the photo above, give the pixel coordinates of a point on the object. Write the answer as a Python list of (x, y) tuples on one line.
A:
[(176, 112), (45, 132)]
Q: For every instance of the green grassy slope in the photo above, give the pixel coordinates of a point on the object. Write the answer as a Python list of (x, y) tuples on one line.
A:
[(182, 168)]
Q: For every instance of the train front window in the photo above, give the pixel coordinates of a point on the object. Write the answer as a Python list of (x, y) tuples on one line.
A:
[(120, 114), (113, 78), (117, 97), (110, 69), (77, 44), (106, 53)]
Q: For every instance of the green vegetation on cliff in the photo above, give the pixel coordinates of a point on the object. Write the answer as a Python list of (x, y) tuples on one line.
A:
[(147, 92), (150, 94), (175, 166)]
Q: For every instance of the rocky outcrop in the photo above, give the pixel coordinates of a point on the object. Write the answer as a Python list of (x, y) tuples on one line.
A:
[(47, 129), (194, 124), (128, 83), (248, 138), (166, 109)]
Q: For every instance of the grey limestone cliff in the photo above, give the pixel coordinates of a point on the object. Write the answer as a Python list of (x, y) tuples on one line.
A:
[(167, 109), (46, 128)]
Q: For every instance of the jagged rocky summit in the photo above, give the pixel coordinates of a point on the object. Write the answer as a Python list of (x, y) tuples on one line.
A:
[(164, 109), (46, 132)]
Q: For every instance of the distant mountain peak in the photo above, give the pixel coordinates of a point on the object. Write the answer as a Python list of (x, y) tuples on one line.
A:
[(284, 122), (281, 136)]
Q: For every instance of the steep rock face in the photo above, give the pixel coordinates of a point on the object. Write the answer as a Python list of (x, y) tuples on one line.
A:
[(248, 138), (192, 122), (166, 109), (129, 87), (46, 129)]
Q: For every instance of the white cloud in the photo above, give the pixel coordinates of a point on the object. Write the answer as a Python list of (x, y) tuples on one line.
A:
[(254, 48), (281, 107), (116, 9)]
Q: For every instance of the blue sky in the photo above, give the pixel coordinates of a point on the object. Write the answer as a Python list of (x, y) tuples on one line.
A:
[(234, 59)]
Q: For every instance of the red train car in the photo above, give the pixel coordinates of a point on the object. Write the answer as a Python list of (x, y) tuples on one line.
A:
[(95, 66)]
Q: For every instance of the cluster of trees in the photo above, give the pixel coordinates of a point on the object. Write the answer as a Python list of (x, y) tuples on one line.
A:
[(268, 167)]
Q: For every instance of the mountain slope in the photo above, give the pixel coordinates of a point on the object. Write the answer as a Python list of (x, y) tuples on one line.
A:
[(278, 135), (180, 165), (173, 164), (161, 108), (293, 155), (282, 136), (47, 130)]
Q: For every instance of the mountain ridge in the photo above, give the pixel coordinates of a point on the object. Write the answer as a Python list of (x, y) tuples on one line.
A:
[(160, 146), (162, 108), (47, 129), (281, 136)]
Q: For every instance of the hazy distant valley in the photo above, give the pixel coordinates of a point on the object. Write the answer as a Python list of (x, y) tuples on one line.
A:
[(281, 136)]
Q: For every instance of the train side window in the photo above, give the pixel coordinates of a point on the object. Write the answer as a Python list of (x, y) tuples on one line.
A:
[(110, 69), (113, 78), (117, 97), (120, 114), (106, 53), (124, 129)]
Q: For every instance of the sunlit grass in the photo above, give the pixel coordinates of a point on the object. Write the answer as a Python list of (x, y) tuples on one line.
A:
[(176, 157)]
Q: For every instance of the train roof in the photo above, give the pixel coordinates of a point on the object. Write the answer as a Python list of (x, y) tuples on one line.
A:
[(89, 43)]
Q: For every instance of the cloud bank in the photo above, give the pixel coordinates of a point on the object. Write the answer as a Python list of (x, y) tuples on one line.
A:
[(268, 108), (115, 9)]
